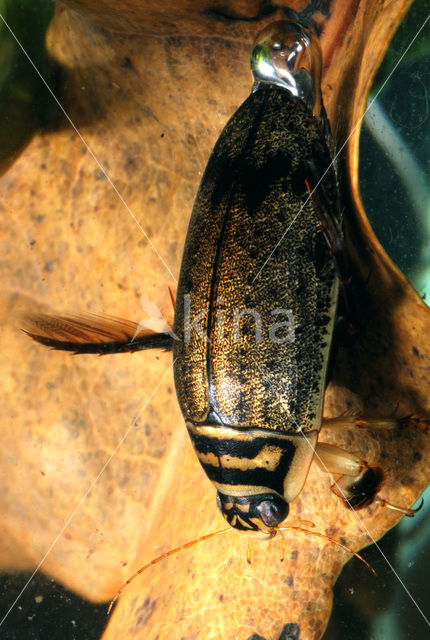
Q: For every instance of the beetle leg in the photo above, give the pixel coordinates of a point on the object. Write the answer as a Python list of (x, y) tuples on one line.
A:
[(338, 461), (377, 424), (281, 546), (407, 512), (89, 333), (358, 483), (172, 298)]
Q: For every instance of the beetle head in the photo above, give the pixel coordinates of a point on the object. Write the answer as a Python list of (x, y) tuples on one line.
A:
[(255, 515)]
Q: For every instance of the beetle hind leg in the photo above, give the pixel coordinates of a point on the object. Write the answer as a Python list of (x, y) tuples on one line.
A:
[(358, 484)]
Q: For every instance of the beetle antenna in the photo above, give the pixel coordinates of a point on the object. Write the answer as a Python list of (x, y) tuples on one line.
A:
[(338, 542), (162, 557), (281, 548)]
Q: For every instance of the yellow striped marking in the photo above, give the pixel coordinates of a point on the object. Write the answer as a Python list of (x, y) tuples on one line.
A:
[(268, 458)]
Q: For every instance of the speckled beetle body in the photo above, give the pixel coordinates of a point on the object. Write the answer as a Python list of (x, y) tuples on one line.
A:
[(252, 391)]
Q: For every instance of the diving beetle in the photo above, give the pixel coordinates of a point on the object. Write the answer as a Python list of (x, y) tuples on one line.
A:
[(257, 298)]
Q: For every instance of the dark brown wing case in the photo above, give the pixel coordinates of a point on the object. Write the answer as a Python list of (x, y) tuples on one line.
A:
[(258, 287)]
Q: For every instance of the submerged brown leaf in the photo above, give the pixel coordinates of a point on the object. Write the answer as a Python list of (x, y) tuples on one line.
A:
[(96, 464)]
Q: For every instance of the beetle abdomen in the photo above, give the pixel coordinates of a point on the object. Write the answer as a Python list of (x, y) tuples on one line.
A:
[(268, 321)]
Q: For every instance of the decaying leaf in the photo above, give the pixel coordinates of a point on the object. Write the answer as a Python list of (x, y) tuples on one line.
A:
[(96, 465)]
